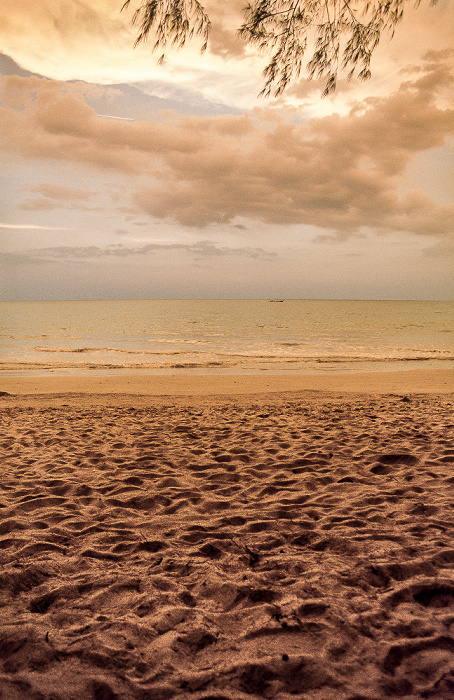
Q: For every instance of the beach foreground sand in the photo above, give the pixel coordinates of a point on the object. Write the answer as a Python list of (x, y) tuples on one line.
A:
[(222, 544)]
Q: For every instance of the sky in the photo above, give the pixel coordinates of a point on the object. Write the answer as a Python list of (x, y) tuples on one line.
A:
[(125, 179)]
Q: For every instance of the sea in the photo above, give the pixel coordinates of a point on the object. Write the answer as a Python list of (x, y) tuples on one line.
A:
[(223, 336)]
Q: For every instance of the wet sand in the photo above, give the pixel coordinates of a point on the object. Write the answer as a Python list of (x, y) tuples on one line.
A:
[(224, 538), (413, 381)]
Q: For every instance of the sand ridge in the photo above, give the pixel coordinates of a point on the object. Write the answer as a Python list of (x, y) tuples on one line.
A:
[(280, 547)]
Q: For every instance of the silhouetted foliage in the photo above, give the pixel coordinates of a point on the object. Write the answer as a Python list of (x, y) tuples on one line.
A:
[(172, 20), (341, 34)]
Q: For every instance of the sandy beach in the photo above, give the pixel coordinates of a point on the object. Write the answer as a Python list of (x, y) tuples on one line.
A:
[(227, 537)]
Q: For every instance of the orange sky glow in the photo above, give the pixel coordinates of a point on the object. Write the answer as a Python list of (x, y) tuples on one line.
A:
[(125, 179)]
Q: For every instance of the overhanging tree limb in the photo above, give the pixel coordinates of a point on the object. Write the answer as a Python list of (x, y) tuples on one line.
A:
[(341, 33), (173, 21)]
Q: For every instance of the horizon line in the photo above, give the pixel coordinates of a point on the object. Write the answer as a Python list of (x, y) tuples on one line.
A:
[(266, 299)]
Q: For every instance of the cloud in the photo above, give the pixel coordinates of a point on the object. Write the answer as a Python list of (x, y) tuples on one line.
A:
[(56, 196), (199, 250), (60, 192), (19, 259), (39, 204), (33, 227), (225, 19), (94, 41), (441, 249), (110, 116), (28, 28), (340, 173)]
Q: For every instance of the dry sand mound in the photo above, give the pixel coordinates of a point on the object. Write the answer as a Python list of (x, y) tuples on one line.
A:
[(227, 549)]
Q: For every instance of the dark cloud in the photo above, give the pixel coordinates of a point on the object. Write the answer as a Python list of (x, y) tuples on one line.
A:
[(10, 67)]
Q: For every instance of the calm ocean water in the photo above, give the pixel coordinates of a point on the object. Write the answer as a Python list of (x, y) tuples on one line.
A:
[(223, 336)]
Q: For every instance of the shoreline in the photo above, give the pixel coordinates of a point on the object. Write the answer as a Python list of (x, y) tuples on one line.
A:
[(413, 381)]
